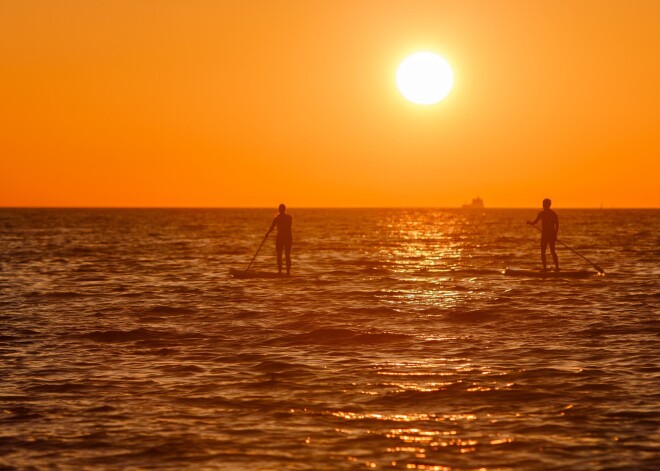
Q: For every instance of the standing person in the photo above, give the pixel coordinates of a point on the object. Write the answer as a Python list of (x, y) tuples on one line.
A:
[(549, 231), (283, 221)]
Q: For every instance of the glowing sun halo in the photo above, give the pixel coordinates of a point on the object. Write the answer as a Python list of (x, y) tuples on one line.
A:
[(424, 78)]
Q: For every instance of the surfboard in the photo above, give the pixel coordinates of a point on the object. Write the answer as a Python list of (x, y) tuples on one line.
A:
[(238, 273), (549, 274)]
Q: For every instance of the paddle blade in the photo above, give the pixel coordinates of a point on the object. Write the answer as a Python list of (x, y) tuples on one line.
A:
[(238, 273)]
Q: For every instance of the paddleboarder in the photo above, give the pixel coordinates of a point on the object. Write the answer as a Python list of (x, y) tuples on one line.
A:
[(549, 231), (284, 241)]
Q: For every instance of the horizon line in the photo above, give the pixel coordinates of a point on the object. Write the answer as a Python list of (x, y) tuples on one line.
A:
[(274, 207)]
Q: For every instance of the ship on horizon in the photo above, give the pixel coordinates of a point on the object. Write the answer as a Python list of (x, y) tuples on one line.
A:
[(477, 203)]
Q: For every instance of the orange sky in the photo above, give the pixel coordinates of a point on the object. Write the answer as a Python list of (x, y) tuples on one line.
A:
[(253, 103)]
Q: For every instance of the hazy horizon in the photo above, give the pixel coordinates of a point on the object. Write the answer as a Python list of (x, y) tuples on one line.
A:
[(293, 208)]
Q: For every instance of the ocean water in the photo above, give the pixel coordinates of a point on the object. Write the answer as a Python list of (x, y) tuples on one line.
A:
[(396, 344)]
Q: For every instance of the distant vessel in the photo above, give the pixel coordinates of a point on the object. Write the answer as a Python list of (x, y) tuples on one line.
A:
[(477, 203)]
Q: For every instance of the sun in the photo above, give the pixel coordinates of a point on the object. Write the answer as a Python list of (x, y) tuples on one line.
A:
[(424, 78)]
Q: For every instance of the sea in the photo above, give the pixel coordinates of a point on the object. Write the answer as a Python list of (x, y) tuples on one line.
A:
[(396, 343)]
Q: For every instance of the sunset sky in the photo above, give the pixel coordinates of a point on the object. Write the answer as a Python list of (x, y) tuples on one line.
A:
[(253, 103)]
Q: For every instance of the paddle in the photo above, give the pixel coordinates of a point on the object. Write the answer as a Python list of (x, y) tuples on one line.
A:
[(600, 270), (257, 252)]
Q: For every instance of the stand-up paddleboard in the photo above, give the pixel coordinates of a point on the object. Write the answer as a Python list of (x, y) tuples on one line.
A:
[(600, 270), (238, 273), (549, 274)]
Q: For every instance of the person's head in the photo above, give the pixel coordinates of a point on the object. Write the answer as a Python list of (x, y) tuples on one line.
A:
[(546, 203), (282, 208)]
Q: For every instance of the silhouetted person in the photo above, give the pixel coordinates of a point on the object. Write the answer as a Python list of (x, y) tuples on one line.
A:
[(549, 231), (284, 241)]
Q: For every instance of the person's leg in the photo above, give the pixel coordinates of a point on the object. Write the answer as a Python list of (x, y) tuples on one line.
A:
[(287, 252), (278, 247), (544, 246), (554, 254)]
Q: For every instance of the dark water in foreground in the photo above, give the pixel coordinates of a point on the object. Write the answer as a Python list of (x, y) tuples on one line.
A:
[(124, 343)]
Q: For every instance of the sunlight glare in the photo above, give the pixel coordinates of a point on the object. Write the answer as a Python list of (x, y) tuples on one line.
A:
[(424, 78)]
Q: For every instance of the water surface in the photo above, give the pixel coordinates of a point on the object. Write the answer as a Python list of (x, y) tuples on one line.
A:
[(397, 344)]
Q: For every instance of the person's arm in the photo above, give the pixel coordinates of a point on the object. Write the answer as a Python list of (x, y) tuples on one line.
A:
[(556, 224), (538, 218), (272, 226)]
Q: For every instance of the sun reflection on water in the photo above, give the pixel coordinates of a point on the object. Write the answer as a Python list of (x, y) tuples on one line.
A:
[(423, 241), (411, 417), (416, 442), (422, 436)]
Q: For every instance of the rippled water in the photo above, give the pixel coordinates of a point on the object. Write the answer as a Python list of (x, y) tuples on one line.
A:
[(398, 343)]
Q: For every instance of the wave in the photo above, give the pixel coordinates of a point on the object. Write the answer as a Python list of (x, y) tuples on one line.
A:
[(329, 336), (478, 315), (121, 335), (274, 366), (55, 294), (86, 268), (169, 310), (57, 387), (207, 402), (104, 408), (377, 310), (19, 413), (89, 278), (183, 369), (135, 335)]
